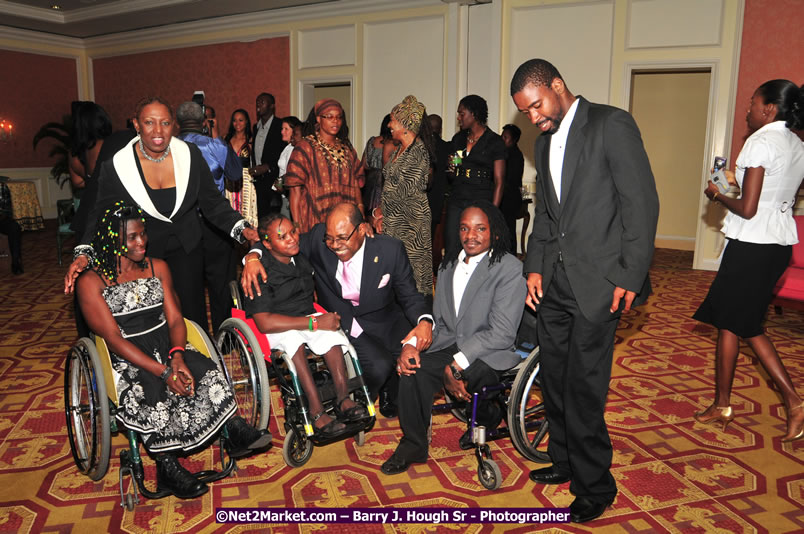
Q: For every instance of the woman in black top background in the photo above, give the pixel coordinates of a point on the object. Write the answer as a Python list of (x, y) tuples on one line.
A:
[(477, 165)]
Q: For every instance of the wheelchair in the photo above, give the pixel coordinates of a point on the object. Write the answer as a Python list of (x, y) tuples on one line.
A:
[(524, 416), (90, 404), (240, 341)]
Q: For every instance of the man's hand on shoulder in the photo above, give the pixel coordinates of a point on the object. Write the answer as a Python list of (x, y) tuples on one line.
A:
[(253, 271)]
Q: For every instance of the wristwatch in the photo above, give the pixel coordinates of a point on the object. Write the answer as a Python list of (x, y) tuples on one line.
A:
[(456, 373)]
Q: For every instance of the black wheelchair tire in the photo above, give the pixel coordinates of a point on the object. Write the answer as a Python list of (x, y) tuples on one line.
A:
[(522, 411), (296, 449), (249, 370), (82, 372)]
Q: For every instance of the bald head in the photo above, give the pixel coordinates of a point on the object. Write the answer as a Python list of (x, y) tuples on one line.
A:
[(345, 231)]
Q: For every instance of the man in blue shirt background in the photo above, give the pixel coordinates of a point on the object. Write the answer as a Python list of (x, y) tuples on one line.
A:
[(219, 249)]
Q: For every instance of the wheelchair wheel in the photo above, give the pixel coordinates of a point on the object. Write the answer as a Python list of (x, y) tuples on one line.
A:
[(296, 449), (237, 295), (489, 474), (244, 367), (526, 416), (86, 407)]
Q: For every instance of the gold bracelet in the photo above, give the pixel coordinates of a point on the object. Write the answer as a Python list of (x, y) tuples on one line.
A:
[(252, 259)]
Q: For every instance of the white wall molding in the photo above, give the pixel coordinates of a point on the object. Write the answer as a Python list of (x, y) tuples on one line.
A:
[(34, 42)]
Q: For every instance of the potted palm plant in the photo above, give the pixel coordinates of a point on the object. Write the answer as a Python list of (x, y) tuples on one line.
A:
[(60, 133)]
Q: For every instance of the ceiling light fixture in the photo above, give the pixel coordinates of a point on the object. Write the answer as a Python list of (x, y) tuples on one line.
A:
[(57, 7)]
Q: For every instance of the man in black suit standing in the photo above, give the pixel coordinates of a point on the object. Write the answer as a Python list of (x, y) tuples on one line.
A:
[(588, 259), (369, 283), (268, 146)]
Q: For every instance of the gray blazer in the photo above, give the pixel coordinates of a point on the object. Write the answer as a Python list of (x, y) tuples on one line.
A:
[(491, 308)]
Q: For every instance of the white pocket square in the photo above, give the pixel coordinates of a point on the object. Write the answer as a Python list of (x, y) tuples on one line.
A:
[(384, 281)]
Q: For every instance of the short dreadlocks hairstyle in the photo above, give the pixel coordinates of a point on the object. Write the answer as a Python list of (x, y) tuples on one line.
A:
[(109, 242), (500, 238), (538, 72)]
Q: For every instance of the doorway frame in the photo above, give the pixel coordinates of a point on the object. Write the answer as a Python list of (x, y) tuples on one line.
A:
[(305, 85), (718, 133)]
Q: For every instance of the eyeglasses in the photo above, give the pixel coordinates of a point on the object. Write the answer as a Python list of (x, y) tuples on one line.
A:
[(329, 240), (332, 117)]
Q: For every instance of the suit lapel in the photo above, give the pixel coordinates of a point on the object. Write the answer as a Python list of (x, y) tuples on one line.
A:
[(551, 197), (572, 153), (446, 278), (476, 281), (125, 166), (370, 275), (181, 170)]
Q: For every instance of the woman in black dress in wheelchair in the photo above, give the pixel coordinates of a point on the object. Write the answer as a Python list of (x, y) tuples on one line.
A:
[(176, 398)]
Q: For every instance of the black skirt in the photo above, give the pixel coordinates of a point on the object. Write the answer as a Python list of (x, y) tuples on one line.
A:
[(743, 288)]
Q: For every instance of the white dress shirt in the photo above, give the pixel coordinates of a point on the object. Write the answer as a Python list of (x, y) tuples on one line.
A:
[(463, 272), (558, 145), (259, 138)]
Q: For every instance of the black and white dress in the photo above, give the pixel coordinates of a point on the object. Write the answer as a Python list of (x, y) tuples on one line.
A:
[(165, 420)]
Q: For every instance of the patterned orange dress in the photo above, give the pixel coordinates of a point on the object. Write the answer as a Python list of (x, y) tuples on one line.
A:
[(328, 175)]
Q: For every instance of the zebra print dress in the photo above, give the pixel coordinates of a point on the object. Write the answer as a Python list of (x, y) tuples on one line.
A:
[(406, 213)]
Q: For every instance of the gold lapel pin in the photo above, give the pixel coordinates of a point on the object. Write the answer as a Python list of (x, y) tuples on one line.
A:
[(376, 259)]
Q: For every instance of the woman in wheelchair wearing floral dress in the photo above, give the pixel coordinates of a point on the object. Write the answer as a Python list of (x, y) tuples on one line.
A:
[(284, 313), (176, 398)]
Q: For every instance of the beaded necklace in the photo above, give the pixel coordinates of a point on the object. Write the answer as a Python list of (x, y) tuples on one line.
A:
[(160, 159), (336, 155)]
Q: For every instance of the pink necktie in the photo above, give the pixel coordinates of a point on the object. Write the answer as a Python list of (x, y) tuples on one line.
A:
[(349, 287)]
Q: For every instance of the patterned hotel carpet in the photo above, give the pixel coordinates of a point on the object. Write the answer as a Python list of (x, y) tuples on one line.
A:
[(674, 475)]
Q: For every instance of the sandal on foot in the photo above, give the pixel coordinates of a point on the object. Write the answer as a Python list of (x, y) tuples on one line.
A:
[(330, 430), (357, 412)]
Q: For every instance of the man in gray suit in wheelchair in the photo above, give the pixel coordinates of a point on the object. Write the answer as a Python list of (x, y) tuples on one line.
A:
[(480, 297)]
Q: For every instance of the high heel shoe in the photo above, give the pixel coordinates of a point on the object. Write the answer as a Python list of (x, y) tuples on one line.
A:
[(716, 414), (795, 426)]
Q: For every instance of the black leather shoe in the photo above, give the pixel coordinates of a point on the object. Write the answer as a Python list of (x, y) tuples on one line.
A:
[(244, 438), (584, 509), (172, 476), (396, 464), (465, 442), (546, 475), (387, 407)]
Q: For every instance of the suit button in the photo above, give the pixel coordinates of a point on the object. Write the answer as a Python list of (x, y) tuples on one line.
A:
[(562, 234)]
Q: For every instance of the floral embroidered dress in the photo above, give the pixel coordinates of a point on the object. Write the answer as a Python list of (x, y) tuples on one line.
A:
[(165, 420)]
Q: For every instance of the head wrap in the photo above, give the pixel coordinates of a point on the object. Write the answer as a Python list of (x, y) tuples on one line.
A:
[(409, 112), (326, 103)]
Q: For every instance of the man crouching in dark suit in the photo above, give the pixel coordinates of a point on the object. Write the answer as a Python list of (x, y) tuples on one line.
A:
[(479, 300), (588, 259), (369, 283)]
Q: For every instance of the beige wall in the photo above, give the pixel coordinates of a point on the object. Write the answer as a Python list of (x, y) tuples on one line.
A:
[(386, 49), (671, 110)]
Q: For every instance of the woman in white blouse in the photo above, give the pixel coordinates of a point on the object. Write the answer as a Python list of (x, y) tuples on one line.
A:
[(760, 231)]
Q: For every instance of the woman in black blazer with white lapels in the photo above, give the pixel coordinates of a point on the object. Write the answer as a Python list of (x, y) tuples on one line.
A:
[(170, 180)]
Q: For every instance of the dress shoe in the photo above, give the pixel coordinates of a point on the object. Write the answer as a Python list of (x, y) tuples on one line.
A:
[(546, 475), (721, 415), (795, 424), (396, 464), (584, 509), (173, 477), (387, 406), (244, 438)]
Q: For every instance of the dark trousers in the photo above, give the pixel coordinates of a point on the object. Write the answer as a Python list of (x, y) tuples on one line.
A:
[(268, 200), (378, 359), (576, 358), (12, 229), (219, 270), (417, 391), (187, 271)]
